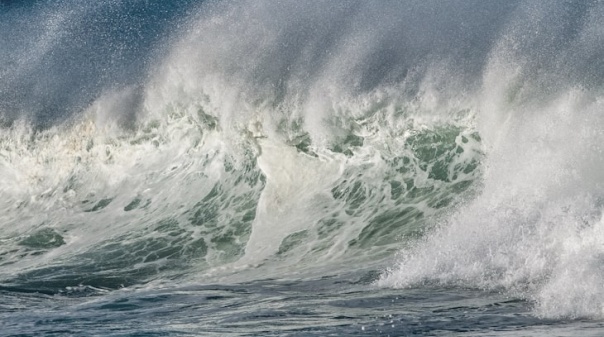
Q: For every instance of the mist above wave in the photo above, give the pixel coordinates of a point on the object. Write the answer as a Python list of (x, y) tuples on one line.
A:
[(532, 232)]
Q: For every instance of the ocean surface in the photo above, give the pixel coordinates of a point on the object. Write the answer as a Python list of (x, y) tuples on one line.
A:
[(301, 168)]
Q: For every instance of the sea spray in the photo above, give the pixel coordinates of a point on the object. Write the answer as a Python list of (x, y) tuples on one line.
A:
[(533, 230), (236, 141)]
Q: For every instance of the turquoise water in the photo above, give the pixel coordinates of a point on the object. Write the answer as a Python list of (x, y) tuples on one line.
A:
[(301, 168)]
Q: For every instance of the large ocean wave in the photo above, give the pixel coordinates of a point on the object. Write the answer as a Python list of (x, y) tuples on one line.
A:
[(455, 144)]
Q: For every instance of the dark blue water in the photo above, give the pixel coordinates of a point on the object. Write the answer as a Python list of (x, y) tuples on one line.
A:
[(332, 306)]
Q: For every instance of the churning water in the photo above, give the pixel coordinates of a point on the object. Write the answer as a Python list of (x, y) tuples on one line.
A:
[(301, 168)]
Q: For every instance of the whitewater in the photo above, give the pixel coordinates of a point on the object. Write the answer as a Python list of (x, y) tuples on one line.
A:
[(301, 168)]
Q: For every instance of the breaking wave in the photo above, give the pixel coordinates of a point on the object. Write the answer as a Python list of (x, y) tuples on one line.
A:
[(243, 140)]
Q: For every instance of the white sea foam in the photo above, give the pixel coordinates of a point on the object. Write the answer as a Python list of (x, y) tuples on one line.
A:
[(534, 230), (273, 137)]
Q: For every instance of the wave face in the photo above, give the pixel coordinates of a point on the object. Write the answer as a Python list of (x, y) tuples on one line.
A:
[(232, 141)]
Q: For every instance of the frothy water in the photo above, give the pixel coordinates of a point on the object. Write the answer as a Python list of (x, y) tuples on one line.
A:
[(368, 149), (533, 230)]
